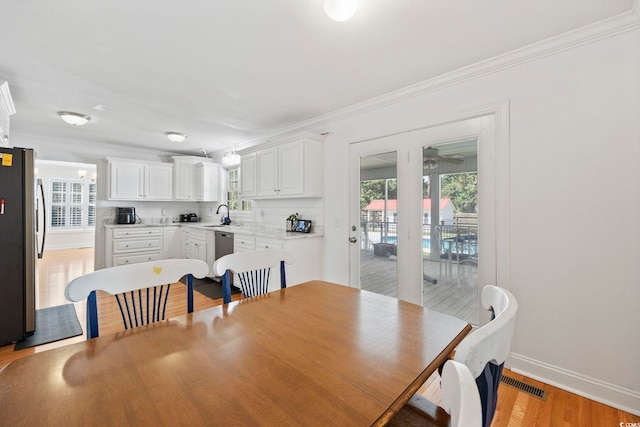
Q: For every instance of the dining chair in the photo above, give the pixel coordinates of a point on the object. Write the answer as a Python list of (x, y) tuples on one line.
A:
[(252, 269), (460, 402), (141, 290), (484, 352)]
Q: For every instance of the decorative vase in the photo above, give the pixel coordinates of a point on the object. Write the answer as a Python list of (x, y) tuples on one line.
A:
[(291, 225)]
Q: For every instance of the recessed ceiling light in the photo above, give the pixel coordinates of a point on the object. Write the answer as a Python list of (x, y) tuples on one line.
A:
[(176, 136), (75, 119)]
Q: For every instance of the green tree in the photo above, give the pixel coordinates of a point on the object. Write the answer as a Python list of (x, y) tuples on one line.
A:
[(373, 190), (462, 189)]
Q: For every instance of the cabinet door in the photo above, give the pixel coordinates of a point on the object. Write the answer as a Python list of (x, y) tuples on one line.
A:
[(291, 169), (267, 172), (158, 181), (207, 182), (248, 175), (183, 185), (170, 243), (126, 181)]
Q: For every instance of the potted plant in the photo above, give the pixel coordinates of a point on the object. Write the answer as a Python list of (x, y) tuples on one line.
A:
[(292, 222)]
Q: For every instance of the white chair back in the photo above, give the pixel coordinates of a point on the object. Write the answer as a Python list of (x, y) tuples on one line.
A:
[(491, 342), (460, 397), (130, 277), (136, 308), (252, 269)]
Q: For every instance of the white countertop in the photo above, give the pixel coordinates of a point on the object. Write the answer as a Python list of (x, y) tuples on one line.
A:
[(256, 229)]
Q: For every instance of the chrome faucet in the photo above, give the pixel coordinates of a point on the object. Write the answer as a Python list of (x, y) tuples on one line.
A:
[(225, 220)]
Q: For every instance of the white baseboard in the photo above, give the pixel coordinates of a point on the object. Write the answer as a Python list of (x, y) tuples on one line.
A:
[(591, 388)]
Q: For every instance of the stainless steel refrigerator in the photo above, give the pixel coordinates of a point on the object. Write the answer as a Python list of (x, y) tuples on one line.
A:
[(21, 241)]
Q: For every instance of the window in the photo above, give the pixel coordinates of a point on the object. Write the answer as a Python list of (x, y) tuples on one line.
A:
[(73, 204), (234, 201)]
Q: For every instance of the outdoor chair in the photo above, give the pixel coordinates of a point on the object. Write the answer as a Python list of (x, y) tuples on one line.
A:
[(141, 290)]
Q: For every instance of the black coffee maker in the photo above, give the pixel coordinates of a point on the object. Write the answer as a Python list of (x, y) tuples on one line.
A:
[(125, 215)]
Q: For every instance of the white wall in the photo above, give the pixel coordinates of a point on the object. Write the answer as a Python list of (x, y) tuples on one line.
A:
[(574, 148)]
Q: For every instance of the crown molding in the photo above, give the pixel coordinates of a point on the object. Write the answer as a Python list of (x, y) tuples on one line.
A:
[(610, 27)]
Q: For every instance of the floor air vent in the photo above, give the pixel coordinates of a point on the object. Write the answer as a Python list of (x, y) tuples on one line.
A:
[(524, 387)]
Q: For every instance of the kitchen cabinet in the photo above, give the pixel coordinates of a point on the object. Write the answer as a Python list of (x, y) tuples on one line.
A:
[(130, 245), (7, 109), (207, 182), (243, 242), (171, 242), (183, 178), (293, 169), (199, 244), (306, 250), (132, 180), (196, 179), (248, 176)]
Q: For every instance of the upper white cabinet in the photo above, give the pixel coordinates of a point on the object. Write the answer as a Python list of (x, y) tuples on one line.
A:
[(293, 169), (135, 180), (207, 182), (248, 175), (7, 109), (196, 179), (183, 178)]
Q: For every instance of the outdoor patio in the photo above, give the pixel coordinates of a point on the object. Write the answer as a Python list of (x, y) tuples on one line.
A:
[(379, 274)]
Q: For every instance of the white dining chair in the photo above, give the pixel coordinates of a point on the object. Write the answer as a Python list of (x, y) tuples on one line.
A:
[(484, 352), (460, 402), (252, 270), (141, 290)]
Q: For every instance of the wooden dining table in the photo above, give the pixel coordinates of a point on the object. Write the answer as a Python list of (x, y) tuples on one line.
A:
[(313, 354)]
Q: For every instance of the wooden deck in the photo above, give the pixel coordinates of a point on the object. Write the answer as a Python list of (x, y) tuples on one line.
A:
[(379, 274)]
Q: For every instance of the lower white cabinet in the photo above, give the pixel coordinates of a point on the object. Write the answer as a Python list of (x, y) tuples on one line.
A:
[(171, 242), (199, 244), (130, 245), (243, 242)]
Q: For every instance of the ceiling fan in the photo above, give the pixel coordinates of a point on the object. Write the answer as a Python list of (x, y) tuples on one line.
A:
[(431, 158)]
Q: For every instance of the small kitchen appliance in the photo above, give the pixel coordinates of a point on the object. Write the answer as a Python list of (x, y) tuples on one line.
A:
[(190, 217), (125, 215)]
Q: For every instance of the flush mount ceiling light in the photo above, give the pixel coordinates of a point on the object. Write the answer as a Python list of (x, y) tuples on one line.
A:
[(75, 119), (176, 136), (340, 10)]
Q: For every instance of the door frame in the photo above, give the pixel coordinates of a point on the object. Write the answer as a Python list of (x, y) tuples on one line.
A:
[(493, 158)]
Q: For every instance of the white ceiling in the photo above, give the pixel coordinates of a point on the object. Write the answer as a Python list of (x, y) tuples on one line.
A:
[(228, 72)]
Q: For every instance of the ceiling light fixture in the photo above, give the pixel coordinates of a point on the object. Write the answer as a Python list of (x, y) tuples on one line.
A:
[(231, 158), (75, 119), (340, 10), (176, 136)]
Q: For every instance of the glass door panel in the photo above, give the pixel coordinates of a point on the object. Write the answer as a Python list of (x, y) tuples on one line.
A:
[(378, 229), (450, 229)]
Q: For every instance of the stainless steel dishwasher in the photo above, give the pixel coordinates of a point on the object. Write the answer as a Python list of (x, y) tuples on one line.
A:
[(223, 243), (223, 246)]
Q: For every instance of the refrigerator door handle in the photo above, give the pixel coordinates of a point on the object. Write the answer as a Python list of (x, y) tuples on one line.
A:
[(44, 219)]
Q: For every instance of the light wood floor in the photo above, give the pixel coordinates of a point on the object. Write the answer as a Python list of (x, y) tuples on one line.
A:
[(515, 408)]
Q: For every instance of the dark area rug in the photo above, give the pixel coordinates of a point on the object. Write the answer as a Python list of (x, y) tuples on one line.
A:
[(53, 324), (209, 287)]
